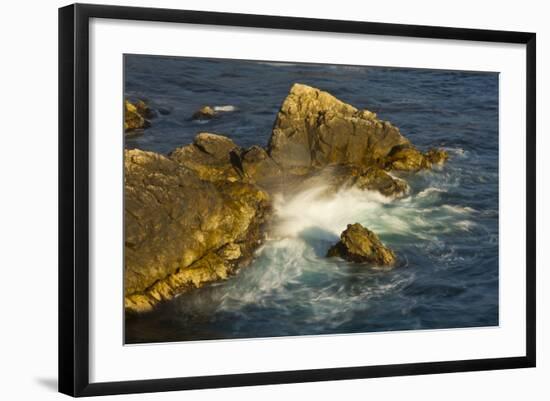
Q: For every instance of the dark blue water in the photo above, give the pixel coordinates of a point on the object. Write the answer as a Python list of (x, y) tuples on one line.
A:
[(445, 232)]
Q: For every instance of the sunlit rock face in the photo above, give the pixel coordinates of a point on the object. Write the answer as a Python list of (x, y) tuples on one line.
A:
[(213, 157), (314, 129), (182, 231)]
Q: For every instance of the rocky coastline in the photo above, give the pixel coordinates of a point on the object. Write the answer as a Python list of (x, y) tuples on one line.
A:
[(197, 214)]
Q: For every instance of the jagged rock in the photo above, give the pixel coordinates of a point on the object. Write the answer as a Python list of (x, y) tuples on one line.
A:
[(359, 244), (135, 116), (436, 156), (407, 158), (181, 231), (204, 113), (313, 129), (213, 157)]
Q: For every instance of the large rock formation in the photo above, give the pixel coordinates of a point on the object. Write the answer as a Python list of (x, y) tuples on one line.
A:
[(216, 157), (359, 244), (315, 137), (313, 129), (182, 231)]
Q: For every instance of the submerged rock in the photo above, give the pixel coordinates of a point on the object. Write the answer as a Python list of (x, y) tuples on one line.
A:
[(181, 231), (314, 129), (136, 116), (359, 244)]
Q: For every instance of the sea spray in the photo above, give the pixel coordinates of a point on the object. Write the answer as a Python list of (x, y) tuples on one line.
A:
[(292, 266), (316, 209)]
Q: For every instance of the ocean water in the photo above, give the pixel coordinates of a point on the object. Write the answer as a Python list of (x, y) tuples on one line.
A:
[(445, 232)]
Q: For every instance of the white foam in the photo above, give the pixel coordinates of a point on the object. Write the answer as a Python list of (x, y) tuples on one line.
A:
[(329, 214), (459, 209), (277, 64), (465, 225), (225, 108), (430, 191), (457, 152)]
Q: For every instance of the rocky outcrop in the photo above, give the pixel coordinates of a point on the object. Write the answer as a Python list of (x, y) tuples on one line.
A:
[(196, 215), (182, 231), (216, 157), (406, 158), (213, 157), (313, 130), (136, 116), (315, 137), (359, 244)]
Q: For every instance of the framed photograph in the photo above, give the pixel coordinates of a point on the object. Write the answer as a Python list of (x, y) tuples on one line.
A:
[(249, 199)]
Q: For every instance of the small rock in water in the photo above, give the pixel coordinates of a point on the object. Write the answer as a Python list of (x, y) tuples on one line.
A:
[(359, 244), (204, 113), (136, 116), (164, 111)]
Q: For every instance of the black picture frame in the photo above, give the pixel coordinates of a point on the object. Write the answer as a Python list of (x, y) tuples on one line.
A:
[(74, 198)]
